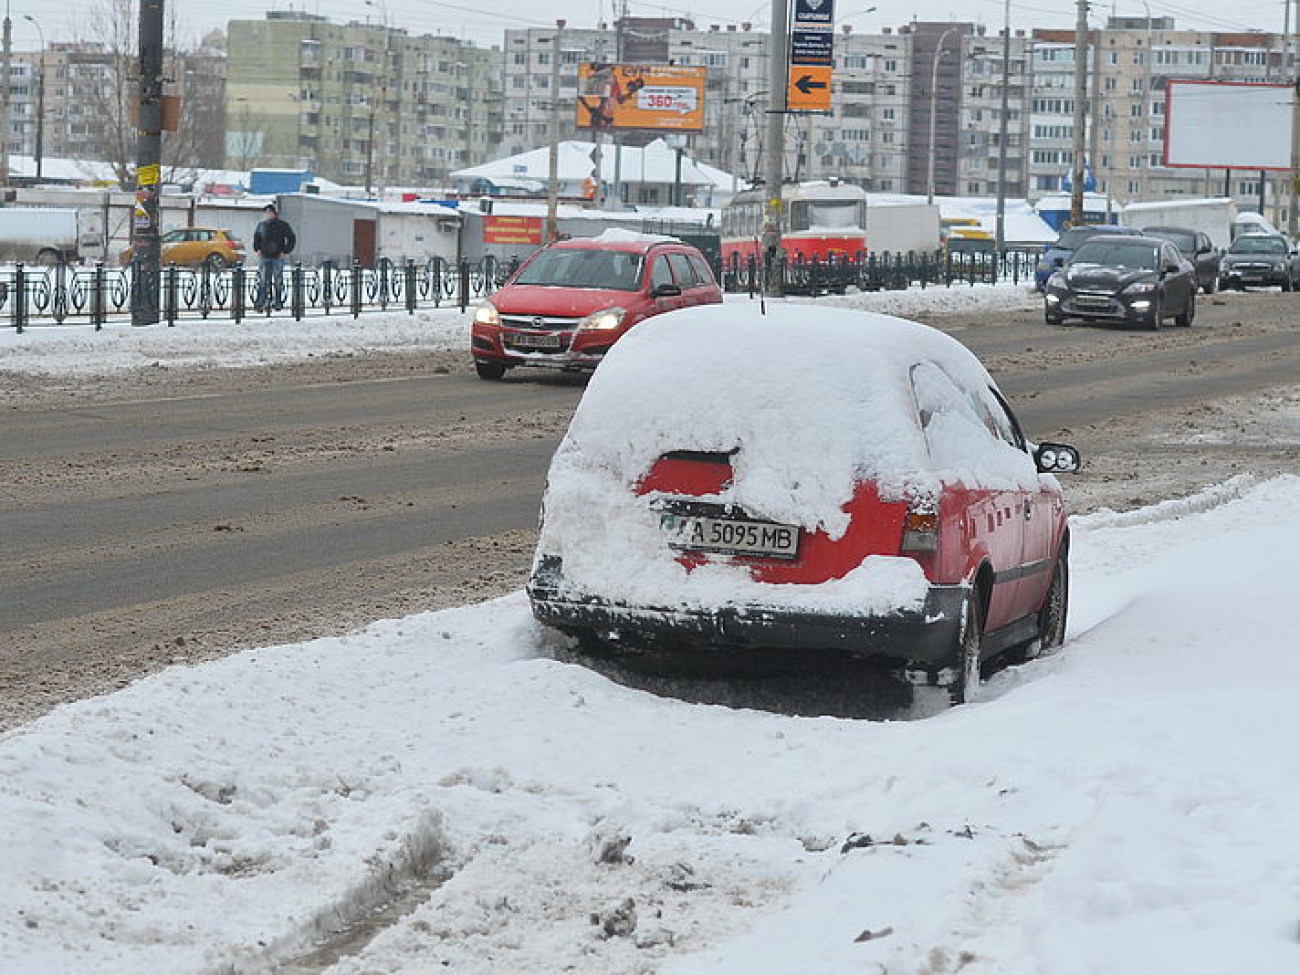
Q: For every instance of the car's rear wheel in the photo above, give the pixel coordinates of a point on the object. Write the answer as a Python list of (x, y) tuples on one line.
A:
[(489, 370), (1054, 318), (965, 688), (1188, 314), (1056, 607)]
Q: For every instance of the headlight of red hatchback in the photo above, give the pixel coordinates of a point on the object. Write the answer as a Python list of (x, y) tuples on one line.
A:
[(486, 314), (606, 318)]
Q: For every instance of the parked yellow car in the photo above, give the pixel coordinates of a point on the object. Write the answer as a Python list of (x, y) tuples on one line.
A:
[(196, 246)]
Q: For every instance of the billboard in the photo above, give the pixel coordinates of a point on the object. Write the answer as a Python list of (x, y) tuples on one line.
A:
[(1227, 125), (664, 97)]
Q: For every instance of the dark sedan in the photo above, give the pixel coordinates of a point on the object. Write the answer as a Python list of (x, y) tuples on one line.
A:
[(1260, 260), (1196, 246), (1133, 279)]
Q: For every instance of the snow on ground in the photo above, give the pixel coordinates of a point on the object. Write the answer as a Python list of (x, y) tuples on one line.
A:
[(445, 793), (77, 349)]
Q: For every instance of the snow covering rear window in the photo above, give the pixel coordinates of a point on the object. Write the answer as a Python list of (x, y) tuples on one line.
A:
[(807, 400)]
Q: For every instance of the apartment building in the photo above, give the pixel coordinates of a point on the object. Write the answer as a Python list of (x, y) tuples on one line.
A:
[(362, 103)]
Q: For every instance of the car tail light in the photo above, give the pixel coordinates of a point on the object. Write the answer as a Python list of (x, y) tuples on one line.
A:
[(920, 531)]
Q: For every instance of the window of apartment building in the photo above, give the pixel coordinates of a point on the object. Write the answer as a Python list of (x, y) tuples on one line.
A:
[(1109, 84), (1139, 57), (714, 59), (890, 66), (855, 135), (521, 57), (887, 114), (855, 62), (887, 138), (1248, 187), (1112, 57), (518, 82), (1054, 106), (1135, 109), (1156, 159), (1134, 162), (857, 88), (1053, 131), (1136, 85)]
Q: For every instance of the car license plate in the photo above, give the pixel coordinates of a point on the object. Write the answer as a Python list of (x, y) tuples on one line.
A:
[(731, 536), (525, 341)]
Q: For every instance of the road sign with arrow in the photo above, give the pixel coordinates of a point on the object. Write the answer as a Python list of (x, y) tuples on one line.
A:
[(812, 38)]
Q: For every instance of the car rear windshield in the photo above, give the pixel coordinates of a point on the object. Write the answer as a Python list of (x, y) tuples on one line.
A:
[(1184, 242), (570, 268), (1258, 245), (1116, 254), (1072, 238)]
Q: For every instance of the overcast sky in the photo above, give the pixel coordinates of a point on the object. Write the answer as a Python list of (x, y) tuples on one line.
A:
[(485, 23)]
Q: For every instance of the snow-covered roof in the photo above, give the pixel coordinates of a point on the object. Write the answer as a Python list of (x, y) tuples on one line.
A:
[(654, 163)]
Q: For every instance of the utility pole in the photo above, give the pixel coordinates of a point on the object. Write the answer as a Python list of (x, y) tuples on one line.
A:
[(4, 98), (1000, 243), (1292, 217), (1080, 116), (778, 84), (553, 181), (40, 98), (148, 169)]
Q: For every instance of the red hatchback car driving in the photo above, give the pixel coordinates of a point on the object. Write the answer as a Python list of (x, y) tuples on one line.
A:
[(571, 301), (809, 480)]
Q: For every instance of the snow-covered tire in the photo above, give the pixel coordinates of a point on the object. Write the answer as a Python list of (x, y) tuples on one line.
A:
[(1056, 607), (965, 687)]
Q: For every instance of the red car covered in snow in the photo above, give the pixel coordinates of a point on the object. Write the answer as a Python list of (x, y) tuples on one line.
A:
[(571, 301), (809, 479)]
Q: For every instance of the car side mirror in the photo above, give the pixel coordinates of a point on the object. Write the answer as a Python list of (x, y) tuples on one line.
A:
[(1056, 458), (666, 291)]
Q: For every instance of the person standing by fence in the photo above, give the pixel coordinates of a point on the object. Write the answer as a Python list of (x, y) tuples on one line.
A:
[(272, 240)]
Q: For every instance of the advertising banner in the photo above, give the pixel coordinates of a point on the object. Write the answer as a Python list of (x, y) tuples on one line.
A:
[(662, 97), (512, 230)]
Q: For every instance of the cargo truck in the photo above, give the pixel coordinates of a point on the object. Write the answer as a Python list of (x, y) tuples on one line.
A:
[(45, 235)]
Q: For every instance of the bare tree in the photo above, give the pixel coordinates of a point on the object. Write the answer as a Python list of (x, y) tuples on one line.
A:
[(107, 82)]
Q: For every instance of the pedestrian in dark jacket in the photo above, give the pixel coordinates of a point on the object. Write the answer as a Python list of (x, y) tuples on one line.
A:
[(272, 240)]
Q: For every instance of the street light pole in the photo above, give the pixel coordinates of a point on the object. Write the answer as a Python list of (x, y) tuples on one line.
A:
[(939, 51), (553, 157), (1000, 243), (40, 98), (778, 102)]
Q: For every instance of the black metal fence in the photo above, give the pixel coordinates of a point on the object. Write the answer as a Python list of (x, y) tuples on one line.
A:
[(98, 295), (879, 272)]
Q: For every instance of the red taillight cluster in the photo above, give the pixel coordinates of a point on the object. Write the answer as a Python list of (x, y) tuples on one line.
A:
[(920, 531)]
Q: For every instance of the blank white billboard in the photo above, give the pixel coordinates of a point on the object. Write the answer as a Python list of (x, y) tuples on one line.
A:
[(1227, 125)]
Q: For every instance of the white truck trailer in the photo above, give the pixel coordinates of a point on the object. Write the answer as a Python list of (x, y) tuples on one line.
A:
[(1213, 216), (45, 235)]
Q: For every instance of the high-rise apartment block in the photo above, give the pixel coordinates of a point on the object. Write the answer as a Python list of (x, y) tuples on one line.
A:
[(946, 108)]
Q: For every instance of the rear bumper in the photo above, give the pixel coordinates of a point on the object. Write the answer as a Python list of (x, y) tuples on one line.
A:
[(925, 637)]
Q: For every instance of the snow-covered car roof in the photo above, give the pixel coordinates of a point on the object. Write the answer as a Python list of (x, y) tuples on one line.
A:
[(810, 400)]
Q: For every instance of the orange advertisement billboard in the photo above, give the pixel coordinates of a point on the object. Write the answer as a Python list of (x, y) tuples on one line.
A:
[(512, 230), (640, 96)]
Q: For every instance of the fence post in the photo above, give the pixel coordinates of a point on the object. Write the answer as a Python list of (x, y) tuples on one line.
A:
[(20, 298), (356, 289), (97, 303), (463, 285), (327, 285), (297, 296), (169, 294), (238, 286), (409, 282)]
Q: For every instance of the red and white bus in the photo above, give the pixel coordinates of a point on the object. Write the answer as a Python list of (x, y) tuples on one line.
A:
[(824, 219)]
